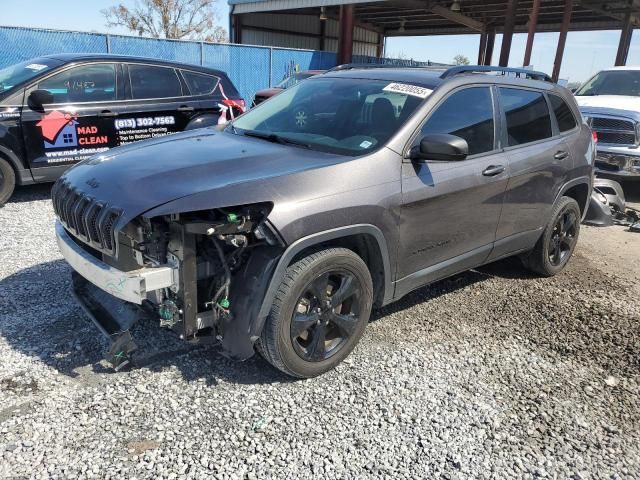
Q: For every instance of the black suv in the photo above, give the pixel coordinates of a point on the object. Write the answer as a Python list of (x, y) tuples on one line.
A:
[(282, 231), (60, 109)]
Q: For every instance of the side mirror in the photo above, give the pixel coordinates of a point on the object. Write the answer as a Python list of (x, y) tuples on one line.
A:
[(441, 146), (38, 99)]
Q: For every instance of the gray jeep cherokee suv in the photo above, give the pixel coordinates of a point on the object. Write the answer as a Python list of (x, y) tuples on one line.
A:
[(282, 231)]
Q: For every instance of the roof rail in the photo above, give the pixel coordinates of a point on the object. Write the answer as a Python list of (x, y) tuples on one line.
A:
[(532, 74), (352, 66)]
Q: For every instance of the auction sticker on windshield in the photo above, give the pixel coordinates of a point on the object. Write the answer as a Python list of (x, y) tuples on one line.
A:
[(412, 90)]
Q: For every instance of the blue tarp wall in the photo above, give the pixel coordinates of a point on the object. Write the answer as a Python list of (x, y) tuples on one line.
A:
[(251, 68)]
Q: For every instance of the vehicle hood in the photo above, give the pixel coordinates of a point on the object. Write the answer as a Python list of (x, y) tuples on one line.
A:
[(144, 175), (615, 103), (268, 92)]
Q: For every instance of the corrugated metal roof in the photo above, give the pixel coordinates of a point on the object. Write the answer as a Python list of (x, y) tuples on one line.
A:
[(249, 6)]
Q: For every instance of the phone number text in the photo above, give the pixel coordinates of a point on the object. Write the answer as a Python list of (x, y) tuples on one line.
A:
[(124, 123)]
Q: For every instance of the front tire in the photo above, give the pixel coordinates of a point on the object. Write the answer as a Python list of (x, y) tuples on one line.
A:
[(319, 314), (558, 241), (7, 181)]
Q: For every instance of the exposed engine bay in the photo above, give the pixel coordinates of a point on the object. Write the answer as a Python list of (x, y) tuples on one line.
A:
[(223, 258)]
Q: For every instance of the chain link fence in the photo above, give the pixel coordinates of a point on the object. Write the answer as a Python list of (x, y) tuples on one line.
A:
[(251, 68)]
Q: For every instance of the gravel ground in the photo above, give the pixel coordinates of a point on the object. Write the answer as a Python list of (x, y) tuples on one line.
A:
[(490, 374)]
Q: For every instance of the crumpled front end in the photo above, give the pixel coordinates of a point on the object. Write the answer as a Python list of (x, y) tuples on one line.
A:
[(201, 274)]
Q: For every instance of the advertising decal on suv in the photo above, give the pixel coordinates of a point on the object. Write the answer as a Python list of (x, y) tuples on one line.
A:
[(57, 110), (62, 134)]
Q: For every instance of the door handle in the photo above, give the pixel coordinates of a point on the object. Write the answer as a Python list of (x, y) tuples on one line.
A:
[(185, 108), (561, 155), (108, 113), (493, 170)]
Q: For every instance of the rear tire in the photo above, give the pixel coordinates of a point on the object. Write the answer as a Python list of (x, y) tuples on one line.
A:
[(558, 241), (7, 181), (308, 332)]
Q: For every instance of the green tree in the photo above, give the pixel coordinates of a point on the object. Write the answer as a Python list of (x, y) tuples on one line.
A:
[(461, 60), (177, 19)]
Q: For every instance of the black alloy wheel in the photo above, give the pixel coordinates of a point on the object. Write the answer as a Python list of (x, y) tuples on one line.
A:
[(319, 313), (326, 315), (563, 238)]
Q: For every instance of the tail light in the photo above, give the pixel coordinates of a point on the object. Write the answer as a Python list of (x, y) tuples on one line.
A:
[(594, 135), (238, 104)]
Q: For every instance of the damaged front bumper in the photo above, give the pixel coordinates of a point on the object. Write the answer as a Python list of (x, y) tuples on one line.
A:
[(111, 297), (131, 286)]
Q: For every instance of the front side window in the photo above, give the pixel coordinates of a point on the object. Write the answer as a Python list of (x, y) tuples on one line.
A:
[(343, 115), (528, 117), (149, 81), (564, 116), (200, 83), (82, 84), (467, 114)]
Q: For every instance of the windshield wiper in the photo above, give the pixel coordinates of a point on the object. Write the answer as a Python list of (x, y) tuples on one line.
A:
[(272, 137)]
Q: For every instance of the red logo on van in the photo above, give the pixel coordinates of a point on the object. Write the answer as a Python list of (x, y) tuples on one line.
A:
[(55, 123)]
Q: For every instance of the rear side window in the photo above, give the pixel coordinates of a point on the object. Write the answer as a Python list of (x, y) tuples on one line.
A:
[(149, 81), (564, 116), (467, 114), (200, 83), (528, 118), (85, 83)]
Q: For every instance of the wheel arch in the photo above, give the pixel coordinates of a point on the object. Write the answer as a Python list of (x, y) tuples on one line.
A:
[(366, 240), (580, 190), (202, 121)]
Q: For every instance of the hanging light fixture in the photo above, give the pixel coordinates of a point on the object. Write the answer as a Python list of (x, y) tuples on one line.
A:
[(323, 13), (402, 23), (455, 6)]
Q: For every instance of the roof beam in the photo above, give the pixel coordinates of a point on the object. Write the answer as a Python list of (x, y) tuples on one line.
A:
[(458, 18)]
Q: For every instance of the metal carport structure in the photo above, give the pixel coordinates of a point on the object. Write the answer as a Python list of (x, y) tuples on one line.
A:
[(363, 25)]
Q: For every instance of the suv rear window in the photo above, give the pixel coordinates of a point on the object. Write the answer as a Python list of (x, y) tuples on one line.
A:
[(566, 120), (528, 117), (149, 81), (200, 83)]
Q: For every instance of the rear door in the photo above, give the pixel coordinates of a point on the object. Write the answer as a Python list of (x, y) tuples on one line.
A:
[(539, 161), (451, 209), (158, 103), (79, 122)]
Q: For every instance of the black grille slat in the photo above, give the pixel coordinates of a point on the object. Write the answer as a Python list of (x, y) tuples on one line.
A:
[(107, 228), (614, 131), (78, 215), (616, 138), (91, 221), (612, 123)]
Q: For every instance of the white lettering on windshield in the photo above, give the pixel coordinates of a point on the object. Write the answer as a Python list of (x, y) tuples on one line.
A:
[(412, 90)]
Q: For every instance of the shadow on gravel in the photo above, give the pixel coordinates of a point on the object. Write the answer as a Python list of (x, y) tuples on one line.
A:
[(39, 318), (509, 268), (29, 193)]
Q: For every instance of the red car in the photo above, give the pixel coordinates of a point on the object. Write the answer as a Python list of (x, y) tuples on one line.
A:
[(288, 82)]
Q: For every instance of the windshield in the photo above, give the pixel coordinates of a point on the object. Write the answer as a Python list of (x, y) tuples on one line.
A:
[(343, 115), (293, 80), (25, 71), (613, 82)]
